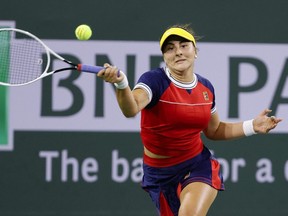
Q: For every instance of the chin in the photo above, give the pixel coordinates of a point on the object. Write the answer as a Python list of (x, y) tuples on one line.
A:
[(182, 68)]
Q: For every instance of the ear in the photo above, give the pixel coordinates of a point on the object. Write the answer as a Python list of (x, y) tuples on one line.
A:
[(196, 56)]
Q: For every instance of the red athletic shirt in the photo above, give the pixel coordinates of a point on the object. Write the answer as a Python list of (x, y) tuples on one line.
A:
[(177, 113)]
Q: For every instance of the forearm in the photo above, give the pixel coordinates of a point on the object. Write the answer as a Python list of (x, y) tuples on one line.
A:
[(130, 102), (262, 124), (126, 102), (227, 131)]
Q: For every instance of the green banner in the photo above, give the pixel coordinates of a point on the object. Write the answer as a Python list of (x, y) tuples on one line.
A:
[(4, 68)]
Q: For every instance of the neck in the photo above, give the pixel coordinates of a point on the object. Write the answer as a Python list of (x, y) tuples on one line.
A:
[(181, 76)]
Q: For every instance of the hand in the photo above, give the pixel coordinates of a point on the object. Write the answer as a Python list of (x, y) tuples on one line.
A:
[(263, 123), (110, 74)]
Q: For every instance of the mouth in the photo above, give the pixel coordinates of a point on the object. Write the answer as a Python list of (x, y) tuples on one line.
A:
[(180, 60)]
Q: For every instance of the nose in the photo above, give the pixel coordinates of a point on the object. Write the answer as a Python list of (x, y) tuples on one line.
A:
[(178, 50)]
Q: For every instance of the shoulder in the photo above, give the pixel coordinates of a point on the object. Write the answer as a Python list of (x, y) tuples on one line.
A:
[(153, 75), (154, 82), (155, 79), (204, 81)]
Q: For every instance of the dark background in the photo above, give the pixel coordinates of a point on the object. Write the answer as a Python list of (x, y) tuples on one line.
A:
[(257, 21), (23, 190)]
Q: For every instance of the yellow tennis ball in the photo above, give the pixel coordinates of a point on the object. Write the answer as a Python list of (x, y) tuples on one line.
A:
[(83, 32)]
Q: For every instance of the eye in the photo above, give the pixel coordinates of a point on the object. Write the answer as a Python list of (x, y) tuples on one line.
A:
[(169, 48), (185, 44)]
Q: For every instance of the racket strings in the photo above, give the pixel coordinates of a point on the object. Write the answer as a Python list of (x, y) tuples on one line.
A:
[(22, 60)]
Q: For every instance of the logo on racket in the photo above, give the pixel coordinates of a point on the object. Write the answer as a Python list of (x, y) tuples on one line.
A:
[(40, 61)]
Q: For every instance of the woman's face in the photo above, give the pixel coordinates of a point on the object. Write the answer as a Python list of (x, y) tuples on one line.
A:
[(179, 55)]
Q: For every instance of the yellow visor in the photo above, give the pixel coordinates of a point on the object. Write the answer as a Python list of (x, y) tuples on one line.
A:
[(179, 32)]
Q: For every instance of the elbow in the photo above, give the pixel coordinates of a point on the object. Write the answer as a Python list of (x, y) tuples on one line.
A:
[(130, 114), (211, 136)]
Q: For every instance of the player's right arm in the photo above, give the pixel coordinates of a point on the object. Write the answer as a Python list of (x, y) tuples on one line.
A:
[(130, 102)]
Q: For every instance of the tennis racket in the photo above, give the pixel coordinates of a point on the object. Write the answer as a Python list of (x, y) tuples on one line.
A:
[(24, 59)]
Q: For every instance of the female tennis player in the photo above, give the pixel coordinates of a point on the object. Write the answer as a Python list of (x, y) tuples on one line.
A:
[(176, 105)]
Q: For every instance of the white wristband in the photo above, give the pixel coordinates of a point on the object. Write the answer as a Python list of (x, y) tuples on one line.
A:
[(248, 128), (123, 84)]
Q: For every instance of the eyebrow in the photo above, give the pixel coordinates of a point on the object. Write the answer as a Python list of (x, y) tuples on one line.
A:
[(171, 44), (181, 41)]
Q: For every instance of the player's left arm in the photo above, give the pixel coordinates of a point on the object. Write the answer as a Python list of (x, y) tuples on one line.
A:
[(219, 130)]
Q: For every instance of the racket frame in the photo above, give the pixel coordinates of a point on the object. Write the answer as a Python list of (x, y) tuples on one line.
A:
[(48, 52)]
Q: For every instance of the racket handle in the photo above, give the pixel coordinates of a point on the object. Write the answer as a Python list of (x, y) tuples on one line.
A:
[(89, 68)]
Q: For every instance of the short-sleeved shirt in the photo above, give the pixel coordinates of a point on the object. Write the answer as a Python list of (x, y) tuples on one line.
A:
[(172, 122)]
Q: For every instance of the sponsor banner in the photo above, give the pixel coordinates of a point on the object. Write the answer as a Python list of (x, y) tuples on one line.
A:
[(75, 173), (247, 79)]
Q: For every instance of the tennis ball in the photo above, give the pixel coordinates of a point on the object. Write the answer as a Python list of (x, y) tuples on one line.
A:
[(83, 32)]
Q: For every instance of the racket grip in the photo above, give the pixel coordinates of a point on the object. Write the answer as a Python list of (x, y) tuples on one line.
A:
[(89, 68)]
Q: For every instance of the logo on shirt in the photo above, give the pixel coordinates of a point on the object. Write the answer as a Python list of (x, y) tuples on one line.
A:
[(205, 95)]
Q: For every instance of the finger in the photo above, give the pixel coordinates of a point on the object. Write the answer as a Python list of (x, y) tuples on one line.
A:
[(106, 65), (275, 120), (114, 71), (264, 112), (267, 111), (272, 118), (101, 72), (278, 120)]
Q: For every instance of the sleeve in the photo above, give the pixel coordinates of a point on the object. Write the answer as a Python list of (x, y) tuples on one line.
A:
[(153, 82), (213, 107)]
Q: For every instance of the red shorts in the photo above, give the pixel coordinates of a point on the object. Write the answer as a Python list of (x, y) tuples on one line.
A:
[(164, 184)]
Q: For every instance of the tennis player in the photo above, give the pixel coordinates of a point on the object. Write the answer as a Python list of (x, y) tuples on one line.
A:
[(176, 105)]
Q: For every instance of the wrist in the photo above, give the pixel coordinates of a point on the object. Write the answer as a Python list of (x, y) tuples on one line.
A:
[(248, 128), (123, 83)]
